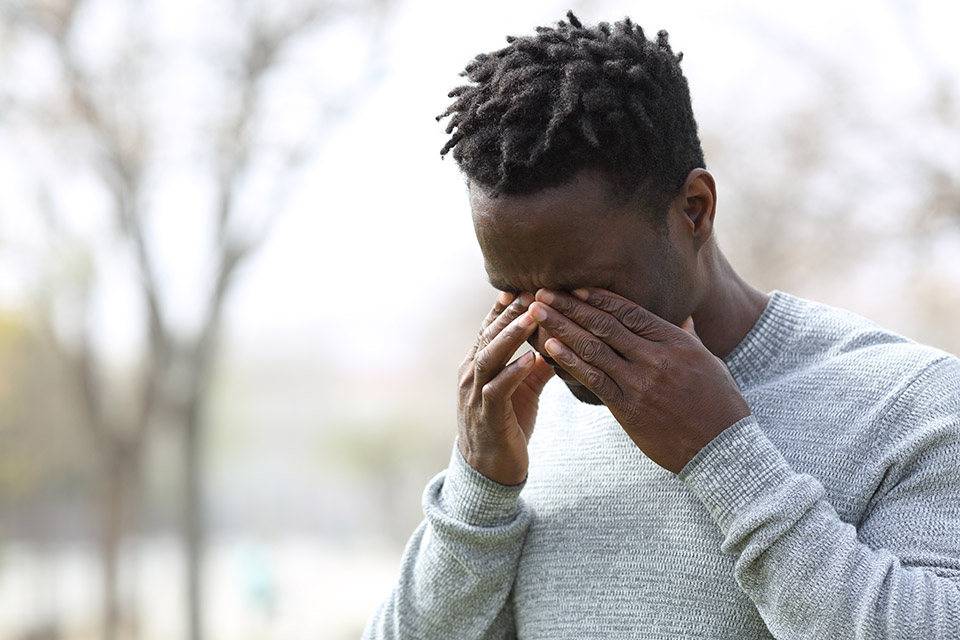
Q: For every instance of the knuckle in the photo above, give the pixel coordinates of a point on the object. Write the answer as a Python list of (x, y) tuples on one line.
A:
[(481, 363), (488, 394), (603, 327), (633, 318), (495, 313), (604, 303), (485, 336), (634, 414), (515, 308), (509, 332), (655, 378), (661, 369), (593, 378), (663, 364), (490, 331), (465, 383), (590, 349)]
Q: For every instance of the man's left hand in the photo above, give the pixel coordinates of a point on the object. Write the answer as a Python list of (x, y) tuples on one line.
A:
[(668, 392)]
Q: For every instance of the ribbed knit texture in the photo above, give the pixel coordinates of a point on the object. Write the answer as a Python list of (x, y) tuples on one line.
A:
[(833, 511)]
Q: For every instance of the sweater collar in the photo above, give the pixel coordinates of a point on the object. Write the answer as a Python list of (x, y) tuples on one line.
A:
[(768, 340)]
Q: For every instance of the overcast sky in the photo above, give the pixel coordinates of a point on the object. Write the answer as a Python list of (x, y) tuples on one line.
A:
[(383, 231), (378, 239)]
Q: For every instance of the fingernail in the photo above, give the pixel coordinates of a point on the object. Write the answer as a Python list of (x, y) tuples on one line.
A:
[(553, 347), (525, 359), (545, 296), (504, 298), (581, 293), (539, 313), (526, 298), (525, 321)]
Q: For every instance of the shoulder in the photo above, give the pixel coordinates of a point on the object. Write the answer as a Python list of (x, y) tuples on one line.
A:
[(820, 335), (858, 358)]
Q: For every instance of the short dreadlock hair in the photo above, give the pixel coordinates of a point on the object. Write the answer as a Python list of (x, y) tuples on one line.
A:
[(572, 97)]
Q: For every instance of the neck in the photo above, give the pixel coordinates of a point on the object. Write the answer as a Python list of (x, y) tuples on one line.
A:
[(729, 310)]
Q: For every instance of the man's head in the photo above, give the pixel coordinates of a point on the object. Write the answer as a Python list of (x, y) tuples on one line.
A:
[(573, 97), (585, 170)]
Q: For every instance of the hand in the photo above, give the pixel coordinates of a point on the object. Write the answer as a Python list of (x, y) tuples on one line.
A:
[(498, 401), (668, 392)]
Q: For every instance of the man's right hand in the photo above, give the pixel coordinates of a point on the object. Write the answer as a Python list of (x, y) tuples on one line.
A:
[(498, 401)]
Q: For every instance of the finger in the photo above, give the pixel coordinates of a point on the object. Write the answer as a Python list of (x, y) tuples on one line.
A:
[(630, 314), (689, 328), (584, 343), (603, 325), (493, 357), (509, 313), (499, 390), (539, 376), (507, 308), (526, 397), (593, 378), (503, 301)]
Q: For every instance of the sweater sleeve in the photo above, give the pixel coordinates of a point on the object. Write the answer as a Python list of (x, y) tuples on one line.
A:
[(896, 575), (459, 567)]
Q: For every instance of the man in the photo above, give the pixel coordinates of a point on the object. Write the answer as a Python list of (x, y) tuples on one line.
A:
[(709, 461)]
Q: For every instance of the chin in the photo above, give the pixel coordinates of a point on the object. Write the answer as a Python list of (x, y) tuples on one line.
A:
[(583, 394)]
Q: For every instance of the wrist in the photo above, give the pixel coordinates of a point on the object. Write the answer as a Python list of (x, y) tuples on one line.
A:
[(472, 497), (494, 466)]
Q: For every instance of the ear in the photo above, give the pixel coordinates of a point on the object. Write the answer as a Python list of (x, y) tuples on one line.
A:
[(698, 200)]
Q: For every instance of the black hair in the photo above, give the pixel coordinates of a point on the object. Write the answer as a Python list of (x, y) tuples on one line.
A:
[(572, 97)]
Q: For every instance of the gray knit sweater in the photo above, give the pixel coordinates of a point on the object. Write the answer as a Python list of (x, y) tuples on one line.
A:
[(833, 511)]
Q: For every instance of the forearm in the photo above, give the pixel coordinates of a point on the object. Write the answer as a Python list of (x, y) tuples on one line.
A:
[(808, 572), (459, 566)]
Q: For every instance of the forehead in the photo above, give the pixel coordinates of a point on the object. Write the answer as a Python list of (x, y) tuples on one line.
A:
[(573, 235), (588, 193)]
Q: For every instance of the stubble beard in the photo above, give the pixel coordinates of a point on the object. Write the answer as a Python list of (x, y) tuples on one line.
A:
[(583, 394)]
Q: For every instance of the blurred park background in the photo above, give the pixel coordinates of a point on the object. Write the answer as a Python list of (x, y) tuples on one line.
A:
[(236, 279)]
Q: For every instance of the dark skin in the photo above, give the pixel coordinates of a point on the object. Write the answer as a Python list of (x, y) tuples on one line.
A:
[(609, 300)]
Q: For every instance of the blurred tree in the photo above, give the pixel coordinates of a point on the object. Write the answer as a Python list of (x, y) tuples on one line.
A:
[(150, 134), (43, 482), (852, 182)]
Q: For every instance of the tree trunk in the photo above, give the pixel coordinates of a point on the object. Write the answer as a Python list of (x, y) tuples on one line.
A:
[(119, 477), (192, 523)]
